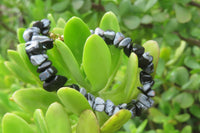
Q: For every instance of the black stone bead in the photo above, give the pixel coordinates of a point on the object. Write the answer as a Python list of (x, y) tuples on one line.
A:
[(122, 106), (99, 32), (99, 104), (74, 86), (133, 111), (109, 36), (145, 78), (145, 88), (37, 60), (48, 73), (151, 93), (90, 98), (127, 49), (28, 33), (149, 69), (38, 24), (109, 107), (34, 48), (116, 109), (124, 42), (118, 38), (131, 104), (45, 31), (92, 31), (138, 50), (40, 38), (83, 91), (47, 43), (145, 60), (46, 23), (55, 83), (146, 101), (44, 66)]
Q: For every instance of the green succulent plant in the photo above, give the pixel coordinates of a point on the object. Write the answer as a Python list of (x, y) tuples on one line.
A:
[(86, 60)]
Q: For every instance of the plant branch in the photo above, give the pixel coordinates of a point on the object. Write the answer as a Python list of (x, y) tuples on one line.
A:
[(98, 7), (191, 41), (192, 3)]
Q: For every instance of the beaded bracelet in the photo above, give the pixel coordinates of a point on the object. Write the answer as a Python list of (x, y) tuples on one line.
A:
[(37, 44)]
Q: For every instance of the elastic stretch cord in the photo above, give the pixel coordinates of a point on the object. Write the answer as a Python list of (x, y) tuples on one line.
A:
[(38, 42)]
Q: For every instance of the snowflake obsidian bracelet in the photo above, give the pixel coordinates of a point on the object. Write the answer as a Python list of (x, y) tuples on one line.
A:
[(38, 42)]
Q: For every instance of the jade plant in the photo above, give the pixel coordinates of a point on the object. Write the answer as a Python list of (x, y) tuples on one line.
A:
[(85, 60)]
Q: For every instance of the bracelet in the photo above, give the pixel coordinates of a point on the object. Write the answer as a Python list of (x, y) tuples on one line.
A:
[(38, 42)]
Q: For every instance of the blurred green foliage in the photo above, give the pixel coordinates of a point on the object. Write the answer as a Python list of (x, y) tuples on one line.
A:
[(168, 22)]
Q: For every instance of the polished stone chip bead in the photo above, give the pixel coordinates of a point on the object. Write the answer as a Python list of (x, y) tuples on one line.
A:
[(83, 91), (99, 104), (74, 86), (90, 98), (54, 84), (151, 93), (122, 106), (149, 69), (34, 48), (28, 33), (146, 101), (44, 66), (98, 31), (116, 109), (45, 31), (92, 31), (48, 73), (133, 111), (127, 49), (118, 38), (37, 60), (140, 107), (145, 60), (145, 78), (109, 34), (124, 42), (138, 50), (47, 43), (40, 38), (109, 106), (46, 23), (145, 88), (38, 24)]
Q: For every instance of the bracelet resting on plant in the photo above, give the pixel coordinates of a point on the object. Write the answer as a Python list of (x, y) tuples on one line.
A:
[(37, 44)]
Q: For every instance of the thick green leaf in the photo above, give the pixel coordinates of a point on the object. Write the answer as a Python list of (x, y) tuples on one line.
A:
[(195, 109), (53, 22), (61, 6), (75, 37), (109, 22), (71, 63), (142, 126), (183, 15), (191, 62), (131, 21), (73, 100), (20, 32), (180, 76), (12, 123), (147, 19), (77, 4), (150, 4), (40, 121), (87, 123), (61, 22), (187, 129), (182, 117), (157, 116), (192, 84), (96, 62), (58, 31), (56, 115), (31, 99), (116, 121), (184, 99), (154, 50)]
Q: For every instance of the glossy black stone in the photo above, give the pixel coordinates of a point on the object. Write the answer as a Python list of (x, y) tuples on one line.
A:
[(138, 50), (145, 88), (133, 111), (44, 66), (146, 101), (145, 78), (116, 109), (109, 36), (99, 31), (34, 48), (37, 60), (145, 60), (83, 91), (128, 49), (28, 33), (149, 69), (151, 93), (109, 107), (40, 38), (92, 31), (74, 86), (99, 104), (90, 98), (47, 43), (38, 24), (48, 73), (118, 38), (55, 83), (124, 42), (45, 31), (46, 23), (122, 106)]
